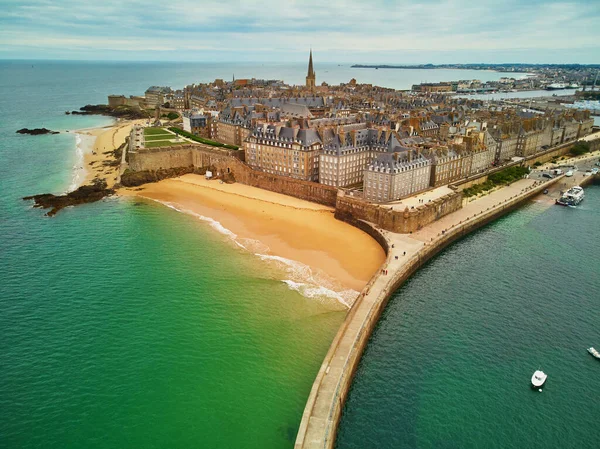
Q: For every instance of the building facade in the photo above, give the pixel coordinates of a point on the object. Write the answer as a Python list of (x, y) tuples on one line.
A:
[(284, 151), (394, 176)]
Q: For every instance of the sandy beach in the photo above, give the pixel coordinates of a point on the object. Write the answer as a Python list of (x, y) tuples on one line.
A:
[(107, 140), (272, 224)]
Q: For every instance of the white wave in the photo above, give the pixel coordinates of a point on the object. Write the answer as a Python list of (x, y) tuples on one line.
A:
[(83, 145), (212, 222), (346, 297), (310, 283), (304, 280)]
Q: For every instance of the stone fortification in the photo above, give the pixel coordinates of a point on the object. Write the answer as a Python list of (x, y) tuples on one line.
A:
[(401, 221), (325, 403), (228, 163)]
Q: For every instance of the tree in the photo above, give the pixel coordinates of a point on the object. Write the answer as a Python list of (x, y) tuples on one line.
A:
[(580, 148)]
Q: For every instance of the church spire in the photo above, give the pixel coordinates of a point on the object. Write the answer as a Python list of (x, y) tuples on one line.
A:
[(311, 77)]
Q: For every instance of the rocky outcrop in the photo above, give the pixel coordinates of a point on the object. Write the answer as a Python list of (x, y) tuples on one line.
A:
[(84, 194), (36, 131), (136, 178), (126, 112)]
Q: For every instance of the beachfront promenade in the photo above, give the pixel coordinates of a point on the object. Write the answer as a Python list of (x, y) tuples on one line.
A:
[(406, 253)]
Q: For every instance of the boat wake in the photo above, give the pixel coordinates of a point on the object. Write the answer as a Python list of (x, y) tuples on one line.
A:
[(303, 279)]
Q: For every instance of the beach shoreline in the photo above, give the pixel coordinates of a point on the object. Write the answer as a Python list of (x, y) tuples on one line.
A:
[(99, 161), (303, 237)]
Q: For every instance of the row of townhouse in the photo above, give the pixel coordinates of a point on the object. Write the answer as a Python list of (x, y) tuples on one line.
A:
[(525, 141)]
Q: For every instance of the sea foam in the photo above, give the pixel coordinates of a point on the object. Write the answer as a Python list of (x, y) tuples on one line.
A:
[(83, 144), (304, 280)]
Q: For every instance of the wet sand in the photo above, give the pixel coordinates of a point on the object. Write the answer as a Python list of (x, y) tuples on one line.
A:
[(285, 227)]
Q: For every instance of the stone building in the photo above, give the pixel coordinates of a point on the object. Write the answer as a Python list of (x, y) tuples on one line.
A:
[(529, 143), (448, 165), (393, 176), (155, 95), (197, 124), (283, 150), (347, 150)]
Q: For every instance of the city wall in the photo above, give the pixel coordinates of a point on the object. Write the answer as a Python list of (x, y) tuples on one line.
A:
[(229, 163), (401, 221), (323, 410)]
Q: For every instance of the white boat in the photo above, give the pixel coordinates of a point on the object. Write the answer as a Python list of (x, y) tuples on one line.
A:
[(556, 86), (571, 197), (595, 353), (538, 379)]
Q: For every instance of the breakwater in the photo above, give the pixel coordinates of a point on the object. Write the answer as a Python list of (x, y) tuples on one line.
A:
[(324, 406)]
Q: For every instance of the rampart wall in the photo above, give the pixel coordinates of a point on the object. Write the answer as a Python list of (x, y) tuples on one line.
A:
[(228, 162), (396, 220), (330, 389)]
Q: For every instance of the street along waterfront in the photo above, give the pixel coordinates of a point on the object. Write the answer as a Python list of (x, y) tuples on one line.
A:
[(450, 361)]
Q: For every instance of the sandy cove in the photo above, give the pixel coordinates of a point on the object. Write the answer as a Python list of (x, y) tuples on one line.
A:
[(291, 228), (107, 140)]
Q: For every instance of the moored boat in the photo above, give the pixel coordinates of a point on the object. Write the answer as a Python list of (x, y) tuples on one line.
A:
[(538, 379), (595, 353), (571, 197)]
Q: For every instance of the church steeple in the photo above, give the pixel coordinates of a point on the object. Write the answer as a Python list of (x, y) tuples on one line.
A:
[(310, 77)]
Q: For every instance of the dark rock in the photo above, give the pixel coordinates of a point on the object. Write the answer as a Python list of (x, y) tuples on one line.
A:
[(36, 131), (84, 194), (126, 112)]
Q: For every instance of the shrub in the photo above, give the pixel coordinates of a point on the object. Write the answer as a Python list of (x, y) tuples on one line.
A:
[(580, 148)]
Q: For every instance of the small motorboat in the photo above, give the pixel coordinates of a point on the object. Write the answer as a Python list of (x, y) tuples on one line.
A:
[(595, 353), (538, 379)]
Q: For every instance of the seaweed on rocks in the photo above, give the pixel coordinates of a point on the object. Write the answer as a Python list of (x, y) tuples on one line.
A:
[(84, 194)]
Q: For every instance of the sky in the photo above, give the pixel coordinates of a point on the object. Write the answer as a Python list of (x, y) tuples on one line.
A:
[(353, 31)]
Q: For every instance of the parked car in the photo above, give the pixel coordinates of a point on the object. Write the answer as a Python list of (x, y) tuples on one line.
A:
[(569, 173), (595, 171), (547, 175)]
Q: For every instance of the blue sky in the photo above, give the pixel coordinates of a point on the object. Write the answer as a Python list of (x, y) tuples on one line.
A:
[(338, 31)]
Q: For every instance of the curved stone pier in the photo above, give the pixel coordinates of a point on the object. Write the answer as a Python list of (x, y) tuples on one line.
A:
[(405, 254)]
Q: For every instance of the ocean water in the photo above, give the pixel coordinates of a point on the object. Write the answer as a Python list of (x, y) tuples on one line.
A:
[(449, 364), (127, 324)]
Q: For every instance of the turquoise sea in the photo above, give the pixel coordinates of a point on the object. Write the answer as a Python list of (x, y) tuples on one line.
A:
[(449, 364), (126, 324)]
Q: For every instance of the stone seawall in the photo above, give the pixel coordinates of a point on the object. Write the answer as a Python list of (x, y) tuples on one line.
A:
[(391, 219), (228, 162), (324, 406)]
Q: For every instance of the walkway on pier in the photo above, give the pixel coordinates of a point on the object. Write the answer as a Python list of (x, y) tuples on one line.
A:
[(407, 252)]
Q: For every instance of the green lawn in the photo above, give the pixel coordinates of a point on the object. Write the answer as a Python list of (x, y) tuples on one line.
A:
[(158, 137), (154, 131), (162, 143)]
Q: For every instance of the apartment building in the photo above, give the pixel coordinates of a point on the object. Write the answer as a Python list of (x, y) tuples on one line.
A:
[(285, 151), (393, 176)]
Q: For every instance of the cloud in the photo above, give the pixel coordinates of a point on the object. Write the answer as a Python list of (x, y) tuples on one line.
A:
[(379, 30)]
